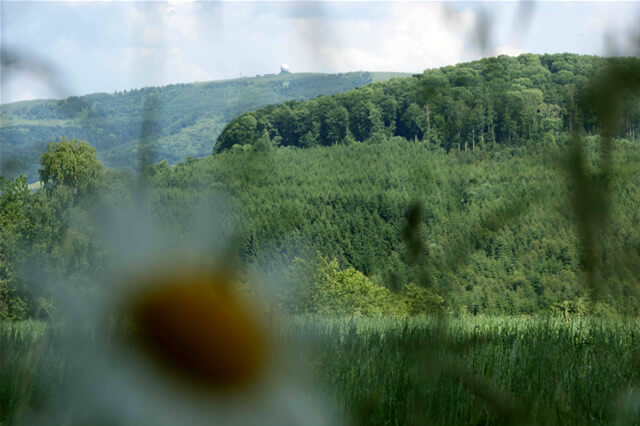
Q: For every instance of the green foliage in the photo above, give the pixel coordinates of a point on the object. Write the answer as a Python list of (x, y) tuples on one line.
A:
[(503, 227), (71, 163), (48, 236), (421, 300), (496, 231), (14, 196), (323, 287), (582, 306), (488, 242), (503, 100)]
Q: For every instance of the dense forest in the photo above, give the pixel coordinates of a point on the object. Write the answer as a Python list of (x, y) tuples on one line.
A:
[(499, 186), (497, 225), (352, 203), (172, 122), (504, 100)]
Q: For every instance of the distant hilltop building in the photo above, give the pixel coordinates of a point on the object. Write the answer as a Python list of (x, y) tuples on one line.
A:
[(284, 69)]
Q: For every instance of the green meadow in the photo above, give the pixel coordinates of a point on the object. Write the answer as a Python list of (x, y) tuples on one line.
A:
[(392, 371)]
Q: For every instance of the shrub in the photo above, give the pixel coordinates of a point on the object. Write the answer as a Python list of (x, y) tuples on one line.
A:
[(320, 286)]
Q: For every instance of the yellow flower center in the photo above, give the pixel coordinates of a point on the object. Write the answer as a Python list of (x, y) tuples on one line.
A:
[(197, 327)]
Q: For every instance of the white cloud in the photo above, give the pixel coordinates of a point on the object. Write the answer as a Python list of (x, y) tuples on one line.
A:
[(413, 37), (180, 20), (507, 50), (180, 69), (117, 45), (26, 87)]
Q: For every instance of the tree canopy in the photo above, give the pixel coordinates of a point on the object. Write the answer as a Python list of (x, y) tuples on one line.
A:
[(503, 100), (72, 163)]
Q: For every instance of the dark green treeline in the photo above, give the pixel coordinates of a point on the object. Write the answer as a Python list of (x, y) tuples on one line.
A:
[(503, 100)]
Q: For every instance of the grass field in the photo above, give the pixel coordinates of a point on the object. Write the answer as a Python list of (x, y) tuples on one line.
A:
[(385, 371)]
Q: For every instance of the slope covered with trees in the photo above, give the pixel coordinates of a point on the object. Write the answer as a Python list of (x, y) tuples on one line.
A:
[(171, 122), (498, 227), (503, 100), (470, 217), (496, 224)]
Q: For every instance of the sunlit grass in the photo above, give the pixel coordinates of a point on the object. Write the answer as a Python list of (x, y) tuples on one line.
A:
[(482, 370), (468, 370)]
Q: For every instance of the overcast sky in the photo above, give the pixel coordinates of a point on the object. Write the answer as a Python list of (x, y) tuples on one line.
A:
[(108, 46)]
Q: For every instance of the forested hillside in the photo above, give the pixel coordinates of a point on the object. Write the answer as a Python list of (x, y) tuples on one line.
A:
[(507, 185), (172, 122), (498, 226), (504, 100)]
